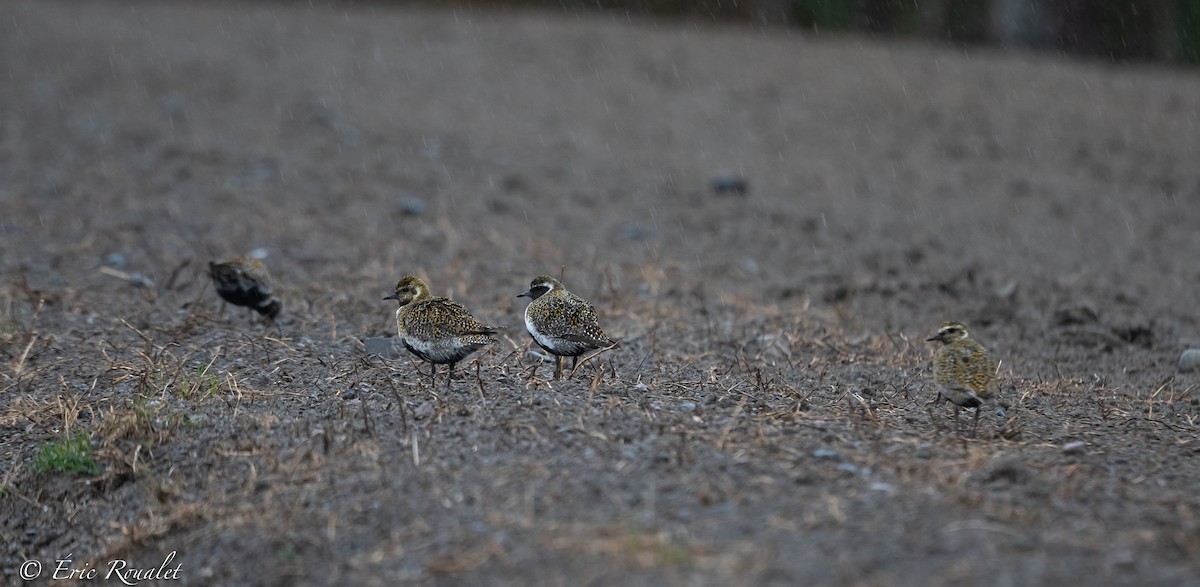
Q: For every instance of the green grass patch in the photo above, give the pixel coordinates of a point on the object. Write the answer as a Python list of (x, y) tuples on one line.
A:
[(203, 385), (69, 454)]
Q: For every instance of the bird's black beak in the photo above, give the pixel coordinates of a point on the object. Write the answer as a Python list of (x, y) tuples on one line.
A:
[(936, 337), (392, 297), (527, 294)]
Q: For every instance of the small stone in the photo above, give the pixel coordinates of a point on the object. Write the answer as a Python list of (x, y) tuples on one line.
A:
[(384, 346), (1006, 468), (411, 205), (543, 357), (1074, 448), (630, 231), (431, 147), (825, 453), (425, 410), (116, 260), (730, 184), (1079, 314), (1008, 290), (772, 347), (1189, 360), (139, 280)]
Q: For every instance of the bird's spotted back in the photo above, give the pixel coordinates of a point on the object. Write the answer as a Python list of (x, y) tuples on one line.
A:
[(962, 364), (562, 314), (246, 283), (965, 364), (436, 319)]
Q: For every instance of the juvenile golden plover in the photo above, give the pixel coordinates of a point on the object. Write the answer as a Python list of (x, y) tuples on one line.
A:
[(438, 330), (963, 369), (561, 322), (243, 282)]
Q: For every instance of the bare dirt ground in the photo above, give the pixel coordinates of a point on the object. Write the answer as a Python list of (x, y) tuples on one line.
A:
[(765, 420)]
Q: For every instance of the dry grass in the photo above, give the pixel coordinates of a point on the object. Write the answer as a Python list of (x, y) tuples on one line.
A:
[(772, 386)]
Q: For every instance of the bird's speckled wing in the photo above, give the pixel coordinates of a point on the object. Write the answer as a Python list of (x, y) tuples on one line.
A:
[(257, 271), (572, 318), (443, 318), (245, 283), (965, 364)]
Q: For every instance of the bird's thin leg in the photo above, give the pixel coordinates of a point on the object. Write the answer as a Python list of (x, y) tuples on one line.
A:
[(558, 365), (975, 427), (574, 364), (957, 424), (450, 375), (929, 406), (432, 375)]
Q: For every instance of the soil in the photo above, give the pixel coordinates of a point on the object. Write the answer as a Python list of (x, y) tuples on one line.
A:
[(765, 419)]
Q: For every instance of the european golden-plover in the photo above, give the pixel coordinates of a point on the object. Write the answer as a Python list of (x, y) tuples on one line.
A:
[(561, 322), (964, 371), (245, 282), (438, 330)]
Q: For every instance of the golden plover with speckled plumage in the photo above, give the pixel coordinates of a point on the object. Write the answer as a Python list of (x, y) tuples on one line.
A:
[(561, 322), (963, 370), (243, 282), (438, 330)]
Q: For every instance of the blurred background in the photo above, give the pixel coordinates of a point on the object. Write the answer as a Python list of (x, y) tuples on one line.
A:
[(1158, 30)]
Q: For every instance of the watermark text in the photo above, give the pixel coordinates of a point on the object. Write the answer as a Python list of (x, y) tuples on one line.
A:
[(119, 569)]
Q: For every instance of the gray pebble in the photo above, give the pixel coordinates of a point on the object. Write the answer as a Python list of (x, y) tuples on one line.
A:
[(1008, 290), (730, 184), (116, 260), (425, 410), (685, 406), (139, 280), (1006, 468), (544, 357), (1189, 360), (1075, 447), (411, 205), (630, 231), (383, 346)]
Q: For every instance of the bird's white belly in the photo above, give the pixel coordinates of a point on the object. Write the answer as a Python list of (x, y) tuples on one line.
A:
[(537, 335)]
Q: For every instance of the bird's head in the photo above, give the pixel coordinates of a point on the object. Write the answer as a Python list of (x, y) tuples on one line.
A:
[(540, 286), (409, 289), (950, 332)]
